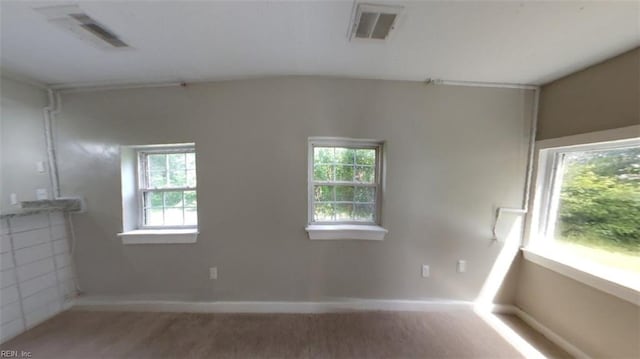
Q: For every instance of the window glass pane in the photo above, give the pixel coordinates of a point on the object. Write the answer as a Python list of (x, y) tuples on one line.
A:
[(323, 193), (323, 155), (157, 179), (365, 194), (190, 199), (344, 173), (344, 193), (191, 178), (191, 160), (345, 155), (366, 157), (173, 199), (157, 162), (364, 212), (344, 212), (323, 212), (177, 161), (177, 178), (365, 174), (323, 173), (154, 217), (173, 217), (154, 200), (190, 216), (599, 207)]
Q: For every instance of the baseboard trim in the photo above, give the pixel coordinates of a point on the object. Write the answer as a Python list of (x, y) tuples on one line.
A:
[(544, 330), (124, 304)]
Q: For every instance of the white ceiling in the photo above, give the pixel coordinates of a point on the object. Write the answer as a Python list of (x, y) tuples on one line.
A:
[(508, 42)]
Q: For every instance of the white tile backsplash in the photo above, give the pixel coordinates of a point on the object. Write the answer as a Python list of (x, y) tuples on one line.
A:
[(5, 243), (33, 254), (37, 284), (7, 277), (8, 295), (40, 282), (31, 238), (27, 223), (35, 269), (6, 260), (58, 232), (39, 299), (56, 218), (60, 246), (10, 312)]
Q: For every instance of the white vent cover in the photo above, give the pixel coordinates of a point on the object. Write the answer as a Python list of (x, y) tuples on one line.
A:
[(374, 21), (72, 18)]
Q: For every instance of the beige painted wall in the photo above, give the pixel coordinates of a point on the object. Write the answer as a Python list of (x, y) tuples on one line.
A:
[(601, 325), (604, 96), (453, 154), (22, 142), (598, 98)]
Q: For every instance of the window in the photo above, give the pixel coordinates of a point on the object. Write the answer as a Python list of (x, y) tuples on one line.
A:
[(588, 208), (167, 187), (345, 177)]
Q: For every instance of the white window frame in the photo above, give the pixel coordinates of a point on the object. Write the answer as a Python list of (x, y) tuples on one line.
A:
[(142, 186), (346, 229), (545, 206)]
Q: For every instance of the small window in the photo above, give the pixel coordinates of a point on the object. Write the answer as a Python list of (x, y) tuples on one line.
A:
[(344, 181), (167, 188), (593, 205)]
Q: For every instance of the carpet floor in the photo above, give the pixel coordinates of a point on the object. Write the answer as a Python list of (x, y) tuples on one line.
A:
[(87, 334)]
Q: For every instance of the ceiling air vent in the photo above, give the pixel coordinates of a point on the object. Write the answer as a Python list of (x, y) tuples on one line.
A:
[(374, 21), (72, 18)]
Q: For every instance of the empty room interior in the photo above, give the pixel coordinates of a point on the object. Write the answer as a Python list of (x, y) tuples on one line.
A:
[(320, 179)]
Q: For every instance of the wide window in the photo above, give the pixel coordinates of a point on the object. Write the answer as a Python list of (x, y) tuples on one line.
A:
[(167, 187), (589, 213), (344, 184)]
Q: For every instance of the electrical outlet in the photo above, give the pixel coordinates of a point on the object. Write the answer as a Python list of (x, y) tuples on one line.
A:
[(425, 271), (13, 198), (213, 273), (462, 266), (42, 193), (40, 167)]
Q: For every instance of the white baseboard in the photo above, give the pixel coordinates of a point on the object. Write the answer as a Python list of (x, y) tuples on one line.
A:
[(124, 304), (544, 330)]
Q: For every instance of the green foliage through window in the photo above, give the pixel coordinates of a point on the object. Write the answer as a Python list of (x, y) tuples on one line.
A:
[(345, 184), (600, 200)]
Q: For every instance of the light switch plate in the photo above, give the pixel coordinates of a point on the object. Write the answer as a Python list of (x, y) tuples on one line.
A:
[(13, 198), (213, 273), (40, 167), (462, 266), (425, 271)]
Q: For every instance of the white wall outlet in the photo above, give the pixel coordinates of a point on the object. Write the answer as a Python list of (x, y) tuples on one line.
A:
[(40, 167), (462, 266), (13, 198), (213, 273), (42, 193), (425, 271)]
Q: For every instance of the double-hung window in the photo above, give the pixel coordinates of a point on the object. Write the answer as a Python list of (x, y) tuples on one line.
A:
[(167, 191), (345, 187)]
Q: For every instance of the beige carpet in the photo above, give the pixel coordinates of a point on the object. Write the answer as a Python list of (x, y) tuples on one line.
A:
[(83, 334)]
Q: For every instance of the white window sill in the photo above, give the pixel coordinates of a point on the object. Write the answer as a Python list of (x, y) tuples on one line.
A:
[(159, 236), (615, 282), (345, 231)]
